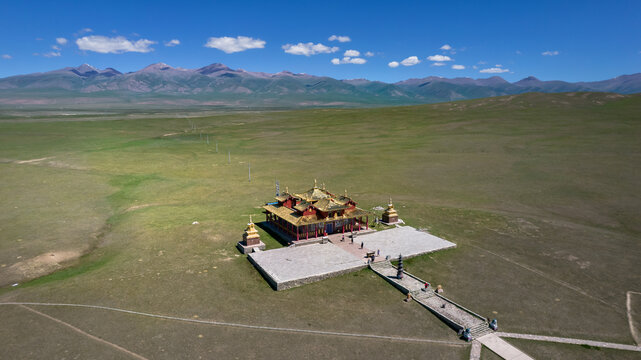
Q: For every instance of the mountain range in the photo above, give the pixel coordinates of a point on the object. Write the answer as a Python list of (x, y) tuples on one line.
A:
[(217, 84)]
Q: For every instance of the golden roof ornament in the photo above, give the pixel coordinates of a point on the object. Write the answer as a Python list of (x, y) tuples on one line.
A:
[(315, 184), (250, 227), (323, 186), (345, 192), (286, 189)]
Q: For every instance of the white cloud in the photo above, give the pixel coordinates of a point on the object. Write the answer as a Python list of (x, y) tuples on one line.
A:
[(410, 61), (6, 56), (439, 58), (446, 47), (172, 42), (231, 45), (352, 53), (85, 30), (369, 54), (55, 47), (438, 64), (494, 70), (114, 45), (498, 65), (518, 52), (458, 67), (51, 54), (339, 38), (550, 53), (349, 60), (393, 64), (474, 67), (308, 49), (61, 40)]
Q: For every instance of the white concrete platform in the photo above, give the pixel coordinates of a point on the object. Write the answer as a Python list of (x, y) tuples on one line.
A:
[(294, 266), (288, 267), (404, 240)]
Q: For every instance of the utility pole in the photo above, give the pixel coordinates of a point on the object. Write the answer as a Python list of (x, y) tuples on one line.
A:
[(216, 146), (249, 168), (229, 157)]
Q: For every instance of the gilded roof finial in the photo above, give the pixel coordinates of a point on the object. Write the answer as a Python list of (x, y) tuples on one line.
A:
[(286, 189), (315, 185), (390, 201), (250, 219), (323, 186), (345, 192)]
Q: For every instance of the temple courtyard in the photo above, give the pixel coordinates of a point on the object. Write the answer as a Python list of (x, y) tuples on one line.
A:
[(296, 265)]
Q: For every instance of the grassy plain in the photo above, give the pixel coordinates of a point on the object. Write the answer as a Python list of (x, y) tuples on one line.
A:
[(539, 191)]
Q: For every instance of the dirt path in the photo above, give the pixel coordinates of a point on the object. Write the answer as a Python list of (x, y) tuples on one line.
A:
[(321, 332), (119, 348), (247, 326), (633, 330), (33, 160)]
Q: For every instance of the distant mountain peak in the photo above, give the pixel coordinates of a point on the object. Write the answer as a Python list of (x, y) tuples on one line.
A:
[(86, 67), (157, 67), (212, 68)]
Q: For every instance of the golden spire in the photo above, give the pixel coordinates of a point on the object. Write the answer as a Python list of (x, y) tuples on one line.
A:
[(250, 219), (286, 189), (345, 192), (323, 186), (315, 185)]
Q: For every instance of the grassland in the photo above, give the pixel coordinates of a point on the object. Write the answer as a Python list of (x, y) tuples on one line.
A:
[(539, 191)]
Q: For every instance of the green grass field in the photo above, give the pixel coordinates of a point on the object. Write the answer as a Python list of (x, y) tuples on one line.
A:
[(539, 191)]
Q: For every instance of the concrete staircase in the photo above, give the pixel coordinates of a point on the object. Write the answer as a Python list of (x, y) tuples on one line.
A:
[(453, 314)]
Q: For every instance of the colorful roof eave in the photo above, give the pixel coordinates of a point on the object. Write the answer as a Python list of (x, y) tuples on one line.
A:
[(297, 220)]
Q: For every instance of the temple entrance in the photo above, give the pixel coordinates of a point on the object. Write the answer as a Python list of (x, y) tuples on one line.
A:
[(329, 228)]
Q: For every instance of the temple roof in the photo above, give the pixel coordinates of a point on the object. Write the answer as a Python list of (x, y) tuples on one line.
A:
[(295, 218), (314, 194), (329, 204), (302, 206)]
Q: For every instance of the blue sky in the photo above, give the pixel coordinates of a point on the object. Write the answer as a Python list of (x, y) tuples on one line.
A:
[(565, 40)]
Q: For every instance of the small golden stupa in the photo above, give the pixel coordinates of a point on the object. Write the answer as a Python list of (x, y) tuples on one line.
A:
[(251, 239), (390, 216)]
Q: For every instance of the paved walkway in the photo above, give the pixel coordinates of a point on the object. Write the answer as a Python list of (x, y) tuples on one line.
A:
[(501, 348), (450, 312), (602, 344), (475, 353), (453, 314)]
